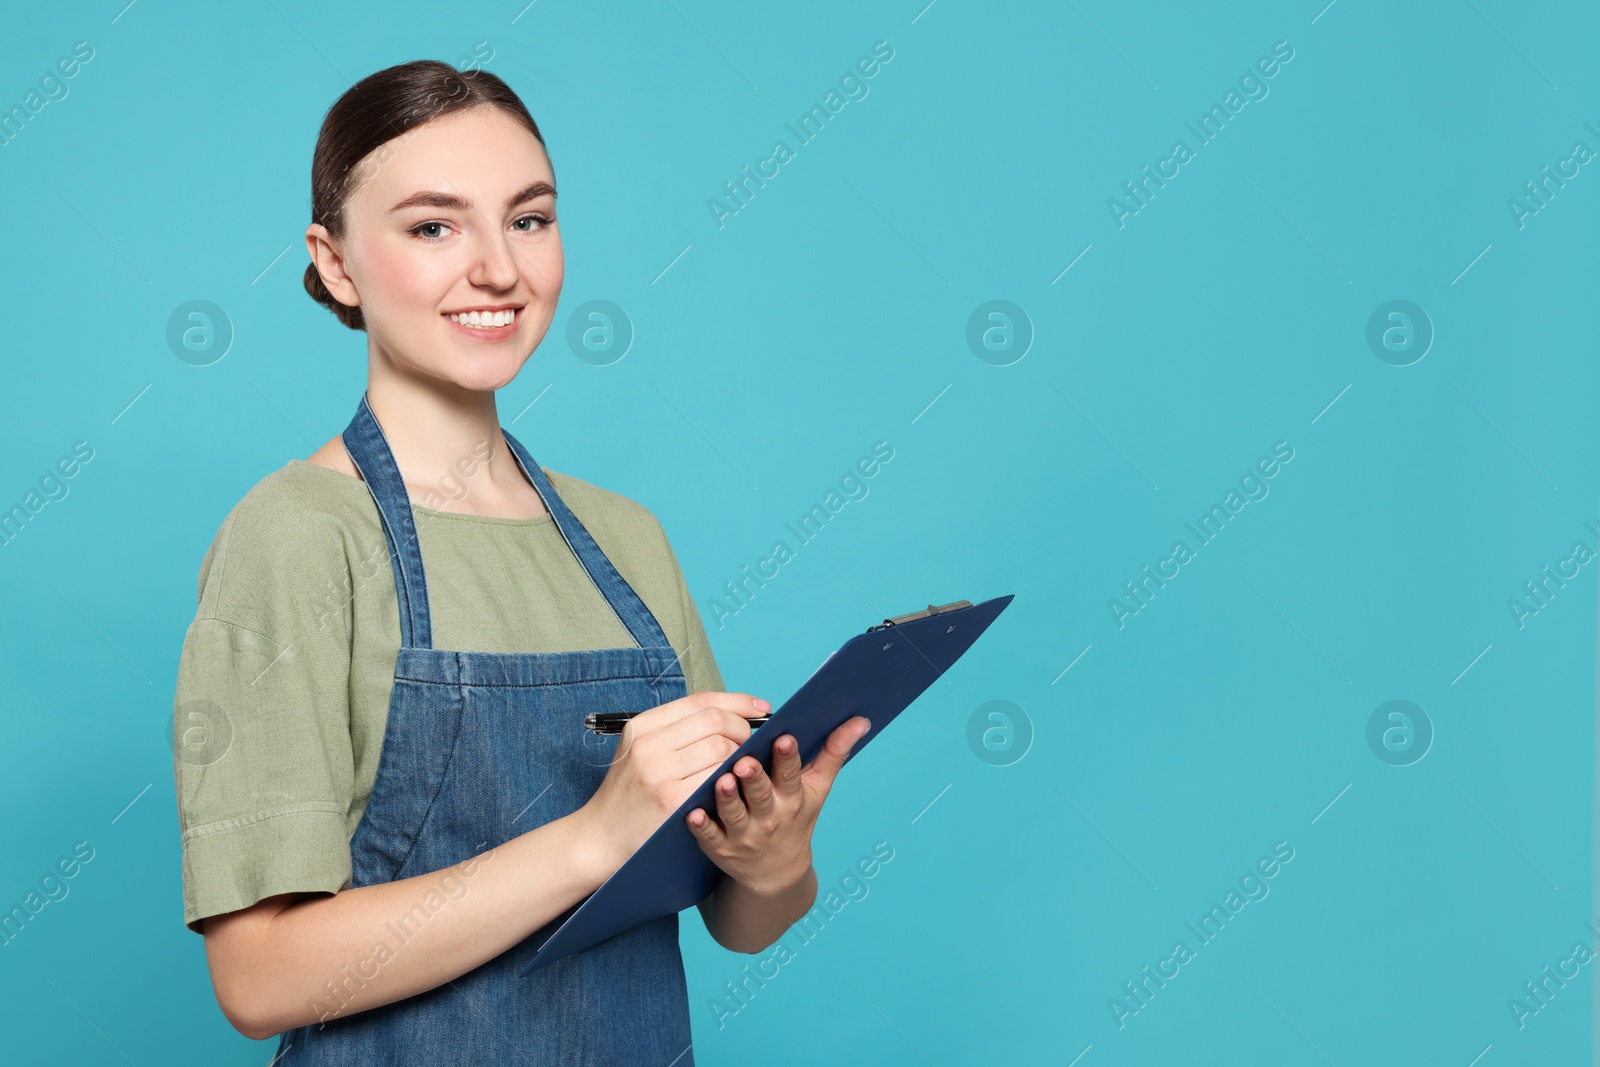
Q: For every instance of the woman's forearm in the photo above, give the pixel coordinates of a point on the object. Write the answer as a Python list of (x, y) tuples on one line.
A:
[(322, 957), (741, 920)]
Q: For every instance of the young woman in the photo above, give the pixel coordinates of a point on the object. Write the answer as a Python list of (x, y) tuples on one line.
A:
[(384, 782)]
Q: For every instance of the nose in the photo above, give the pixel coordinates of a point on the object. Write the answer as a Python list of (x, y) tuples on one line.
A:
[(496, 266)]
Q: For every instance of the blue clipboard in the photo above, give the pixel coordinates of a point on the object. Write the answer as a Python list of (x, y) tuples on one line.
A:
[(877, 674)]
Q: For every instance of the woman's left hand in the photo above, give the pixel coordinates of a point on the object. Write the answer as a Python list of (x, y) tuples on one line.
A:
[(764, 836)]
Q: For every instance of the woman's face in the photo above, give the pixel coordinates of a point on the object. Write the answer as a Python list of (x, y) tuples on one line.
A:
[(455, 215)]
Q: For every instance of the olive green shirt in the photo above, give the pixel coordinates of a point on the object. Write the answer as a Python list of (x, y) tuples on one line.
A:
[(285, 676)]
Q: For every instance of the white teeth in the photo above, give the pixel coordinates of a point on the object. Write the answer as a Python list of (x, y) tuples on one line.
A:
[(485, 318)]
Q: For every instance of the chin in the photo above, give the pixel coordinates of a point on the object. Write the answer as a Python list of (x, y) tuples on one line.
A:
[(488, 379)]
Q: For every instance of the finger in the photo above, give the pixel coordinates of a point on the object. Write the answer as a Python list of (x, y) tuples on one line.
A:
[(825, 767), (714, 841), (786, 766), (692, 717), (730, 807), (692, 764), (739, 703), (758, 794), (710, 721), (706, 830)]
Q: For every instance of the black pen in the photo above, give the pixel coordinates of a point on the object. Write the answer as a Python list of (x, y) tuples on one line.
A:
[(612, 722)]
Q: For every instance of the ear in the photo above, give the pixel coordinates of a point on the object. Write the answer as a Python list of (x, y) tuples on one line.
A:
[(324, 253)]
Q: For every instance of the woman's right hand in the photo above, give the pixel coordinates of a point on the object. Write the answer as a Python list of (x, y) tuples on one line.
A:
[(662, 756)]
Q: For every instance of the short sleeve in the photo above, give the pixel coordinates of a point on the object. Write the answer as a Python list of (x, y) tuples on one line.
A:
[(262, 762)]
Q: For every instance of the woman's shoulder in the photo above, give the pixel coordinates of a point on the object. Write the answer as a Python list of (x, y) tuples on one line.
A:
[(626, 529), (301, 495), (593, 502), (298, 514)]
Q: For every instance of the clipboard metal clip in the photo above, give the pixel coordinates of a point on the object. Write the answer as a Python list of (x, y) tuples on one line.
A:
[(928, 613)]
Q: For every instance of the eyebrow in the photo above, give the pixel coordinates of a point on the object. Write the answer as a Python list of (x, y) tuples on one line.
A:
[(452, 201)]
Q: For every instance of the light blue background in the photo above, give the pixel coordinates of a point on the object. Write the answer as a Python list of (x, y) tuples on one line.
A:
[(1227, 315)]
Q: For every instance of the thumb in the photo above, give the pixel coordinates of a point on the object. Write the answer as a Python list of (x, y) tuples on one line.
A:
[(825, 765)]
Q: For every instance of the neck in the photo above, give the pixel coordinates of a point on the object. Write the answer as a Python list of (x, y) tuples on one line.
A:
[(446, 441)]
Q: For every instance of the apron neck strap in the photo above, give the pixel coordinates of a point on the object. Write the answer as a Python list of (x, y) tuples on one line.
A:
[(369, 449), (629, 608)]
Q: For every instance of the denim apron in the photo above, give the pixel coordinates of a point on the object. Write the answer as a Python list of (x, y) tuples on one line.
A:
[(479, 748)]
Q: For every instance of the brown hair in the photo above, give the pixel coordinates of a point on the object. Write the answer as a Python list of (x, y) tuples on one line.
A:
[(374, 111)]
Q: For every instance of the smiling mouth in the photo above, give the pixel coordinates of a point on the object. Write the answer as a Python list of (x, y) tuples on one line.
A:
[(486, 322)]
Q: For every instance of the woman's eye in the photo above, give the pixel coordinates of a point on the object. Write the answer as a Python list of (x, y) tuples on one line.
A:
[(430, 231)]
